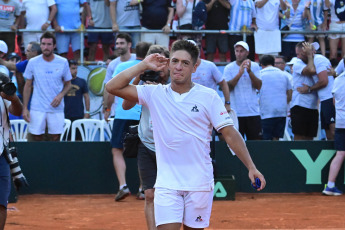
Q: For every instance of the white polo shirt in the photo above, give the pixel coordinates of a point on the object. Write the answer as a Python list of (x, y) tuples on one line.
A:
[(273, 98), (182, 127), (243, 97), (308, 100), (339, 96), (323, 64)]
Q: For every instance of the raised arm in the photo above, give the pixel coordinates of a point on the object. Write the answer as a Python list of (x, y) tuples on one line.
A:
[(119, 85), (16, 106), (126, 105), (310, 69)]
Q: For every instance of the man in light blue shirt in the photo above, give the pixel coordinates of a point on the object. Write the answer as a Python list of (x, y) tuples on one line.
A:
[(124, 119)]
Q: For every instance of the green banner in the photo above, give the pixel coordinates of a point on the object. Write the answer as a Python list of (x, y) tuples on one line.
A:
[(87, 167)]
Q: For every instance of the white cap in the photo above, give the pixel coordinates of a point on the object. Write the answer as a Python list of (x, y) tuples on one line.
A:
[(243, 44), (316, 45), (292, 61), (3, 47)]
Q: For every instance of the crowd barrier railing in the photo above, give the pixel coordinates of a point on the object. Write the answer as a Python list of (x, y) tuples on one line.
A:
[(244, 33)]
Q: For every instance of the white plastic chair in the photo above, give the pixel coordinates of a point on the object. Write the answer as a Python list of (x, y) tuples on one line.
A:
[(108, 127), (90, 129), (66, 128), (19, 129)]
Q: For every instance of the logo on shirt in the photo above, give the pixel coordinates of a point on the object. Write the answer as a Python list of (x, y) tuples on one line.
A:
[(332, 119), (224, 112), (195, 109), (198, 219)]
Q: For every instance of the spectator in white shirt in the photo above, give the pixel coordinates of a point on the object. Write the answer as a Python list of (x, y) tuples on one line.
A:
[(243, 77), (275, 94)]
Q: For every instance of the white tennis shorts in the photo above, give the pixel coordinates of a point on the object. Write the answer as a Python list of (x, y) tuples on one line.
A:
[(39, 120), (193, 209)]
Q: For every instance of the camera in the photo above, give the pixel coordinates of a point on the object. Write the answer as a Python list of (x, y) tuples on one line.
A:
[(6, 85), (150, 75), (18, 177)]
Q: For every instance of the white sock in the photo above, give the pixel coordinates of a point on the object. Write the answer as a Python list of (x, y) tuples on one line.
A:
[(330, 184), (121, 186)]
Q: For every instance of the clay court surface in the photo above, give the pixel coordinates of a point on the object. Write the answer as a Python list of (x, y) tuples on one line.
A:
[(248, 211)]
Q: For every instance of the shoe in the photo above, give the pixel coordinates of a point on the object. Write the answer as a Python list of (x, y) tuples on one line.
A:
[(122, 193), (332, 191), (141, 195)]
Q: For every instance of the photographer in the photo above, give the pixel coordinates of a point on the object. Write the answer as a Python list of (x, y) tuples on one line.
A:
[(146, 152), (9, 102)]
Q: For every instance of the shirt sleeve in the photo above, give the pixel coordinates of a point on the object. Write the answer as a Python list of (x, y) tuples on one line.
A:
[(217, 75), (299, 66), (109, 73), (340, 67), (144, 93), (29, 73), (84, 89), (18, 9), (218, 114), (227, 74), (51, 2), (256, 70), (321, 64), (23, 7), (20, 66), (67, 73), (253, 10)]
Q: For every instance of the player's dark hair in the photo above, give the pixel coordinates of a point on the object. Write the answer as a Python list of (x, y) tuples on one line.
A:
[(48, 35), (267, 60), (125, 36), (141, 49), (187, 46)]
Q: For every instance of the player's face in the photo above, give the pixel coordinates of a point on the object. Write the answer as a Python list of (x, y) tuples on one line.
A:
[(181, 67), (241, 53), (122, 46), (74, 70), (47, 46)]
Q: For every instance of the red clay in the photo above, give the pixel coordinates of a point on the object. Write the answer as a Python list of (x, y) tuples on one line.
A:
[(248, 211)]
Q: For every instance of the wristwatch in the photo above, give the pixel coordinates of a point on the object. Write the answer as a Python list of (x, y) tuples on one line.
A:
[(227, 102)]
